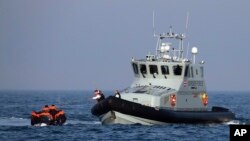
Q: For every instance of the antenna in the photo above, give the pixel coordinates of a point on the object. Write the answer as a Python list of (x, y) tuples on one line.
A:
[(154, 23), (187, 21)]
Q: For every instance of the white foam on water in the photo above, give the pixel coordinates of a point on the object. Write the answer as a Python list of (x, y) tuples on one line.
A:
[(43, 124), (74, 122), (14, 121), (233, 122)]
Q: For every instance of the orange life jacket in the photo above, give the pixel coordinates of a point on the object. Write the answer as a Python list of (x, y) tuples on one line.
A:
[(46, 114), (34, 114), (52, 107), (59, 114), (45, 109)]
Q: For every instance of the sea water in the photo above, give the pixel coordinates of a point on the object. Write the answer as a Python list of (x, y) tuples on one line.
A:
[(16, 107)]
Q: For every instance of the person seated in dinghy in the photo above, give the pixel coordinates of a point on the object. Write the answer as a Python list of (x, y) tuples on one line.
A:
[(60, 118), (45, 116), (42, 116), (35, 117), (99, 96), (117, 94), (49, 115), (53, 110)]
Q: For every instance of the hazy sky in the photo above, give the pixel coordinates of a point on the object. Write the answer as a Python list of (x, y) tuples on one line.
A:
[(87, 44)]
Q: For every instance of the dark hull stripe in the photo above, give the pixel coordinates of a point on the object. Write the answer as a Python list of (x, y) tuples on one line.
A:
[(216, 115)]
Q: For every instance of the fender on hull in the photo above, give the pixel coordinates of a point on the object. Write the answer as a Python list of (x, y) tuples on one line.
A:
[(216, 115)]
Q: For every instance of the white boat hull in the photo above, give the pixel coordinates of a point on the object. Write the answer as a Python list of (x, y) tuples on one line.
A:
[(113, 117)]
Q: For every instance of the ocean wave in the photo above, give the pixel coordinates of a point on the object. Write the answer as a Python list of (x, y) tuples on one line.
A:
[(18, 121), (74, 122), (14, 121)]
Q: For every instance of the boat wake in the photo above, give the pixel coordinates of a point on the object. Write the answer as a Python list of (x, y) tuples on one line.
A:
[(238, 121), (233, 122)]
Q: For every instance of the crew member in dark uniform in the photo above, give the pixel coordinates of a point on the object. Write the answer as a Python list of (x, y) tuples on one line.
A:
[(117, 94), (99, 96)]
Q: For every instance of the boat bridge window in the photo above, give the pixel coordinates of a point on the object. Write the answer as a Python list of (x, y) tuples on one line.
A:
[(143, 69), (135, 68), (192, 73), (153, 69), (187, 71), (164, 70), (202, 72), (177, 70)]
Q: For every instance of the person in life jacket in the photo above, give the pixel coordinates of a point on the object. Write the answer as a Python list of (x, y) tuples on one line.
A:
[(117, 94), (53, 110), (35, 117), (45, 108), (52, 107), (99, 96), (60, 117), (35, 114), (45, 116)]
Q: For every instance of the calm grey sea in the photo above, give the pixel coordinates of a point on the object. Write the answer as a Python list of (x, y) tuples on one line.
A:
[(16, 107)]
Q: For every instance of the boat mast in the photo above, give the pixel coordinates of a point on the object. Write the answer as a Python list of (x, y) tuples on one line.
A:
[(160, 51)]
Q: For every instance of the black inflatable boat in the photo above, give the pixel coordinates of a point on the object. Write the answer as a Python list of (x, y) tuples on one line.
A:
[(215, 115)]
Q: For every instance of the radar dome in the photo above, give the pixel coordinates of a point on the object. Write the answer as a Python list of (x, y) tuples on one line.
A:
[(194, 50)]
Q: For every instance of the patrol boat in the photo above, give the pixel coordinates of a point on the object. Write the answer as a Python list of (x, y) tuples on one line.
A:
[(167, 88)]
